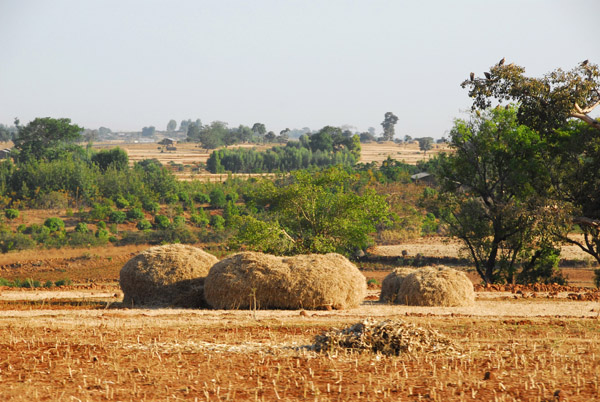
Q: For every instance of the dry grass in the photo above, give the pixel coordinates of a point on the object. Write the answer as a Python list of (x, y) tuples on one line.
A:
[(154, 355), (391, 283), (170, 275), (253, 280)]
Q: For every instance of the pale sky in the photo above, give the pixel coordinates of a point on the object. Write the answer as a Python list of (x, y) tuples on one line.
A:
[(286, 63)]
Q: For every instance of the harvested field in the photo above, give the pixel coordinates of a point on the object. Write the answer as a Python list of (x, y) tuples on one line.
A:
[(160, 354)]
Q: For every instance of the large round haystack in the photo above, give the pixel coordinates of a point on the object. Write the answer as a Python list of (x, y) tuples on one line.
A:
[(391, 284), (256, 280), (436, 286), (171, 275)]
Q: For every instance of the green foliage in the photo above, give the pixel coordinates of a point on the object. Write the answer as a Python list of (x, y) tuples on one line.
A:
[(117, 216), (135, 214), (45, 138), (217, 222), (151, 206), (15, 241), (257, 235), (178, 221), (430, 224), (121, 202), (115, 158), (492, 191), (389, 123), (201, 198), (63, 282), (11, 213), (161, 222), (542, 267), (323, 212), (54, 224), (143, 224), (81, 227), (217, 198), (597, 277), (200, 220)]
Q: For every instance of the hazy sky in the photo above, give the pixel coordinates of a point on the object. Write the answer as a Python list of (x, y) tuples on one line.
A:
[(128, 64)]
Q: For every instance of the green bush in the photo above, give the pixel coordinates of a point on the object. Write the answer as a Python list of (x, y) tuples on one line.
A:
[(161, 222), (135, 214), (217, 198), (101, 225), (76, 239), (81, 227), (178, 221), (54, 224), (117, 216), (217, 222), (100, 212), (11, 213), (199, 220), (102, 234), (15, 241), (21, 228), (597, 277), (121, 202), (201, 198), (63, 282), (143, 224), (151, 206)]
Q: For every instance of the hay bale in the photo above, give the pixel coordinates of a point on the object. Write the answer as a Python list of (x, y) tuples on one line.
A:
[(256, 280), (388, 337), (391, 284), (436, 286), (171, 275)]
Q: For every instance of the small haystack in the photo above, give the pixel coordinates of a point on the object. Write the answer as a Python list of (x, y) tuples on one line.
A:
[(436, 286), (262, 281), (388, 337), (171, 275), (391, 284)]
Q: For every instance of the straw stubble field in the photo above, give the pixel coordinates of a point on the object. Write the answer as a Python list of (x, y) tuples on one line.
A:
[(506, 349)]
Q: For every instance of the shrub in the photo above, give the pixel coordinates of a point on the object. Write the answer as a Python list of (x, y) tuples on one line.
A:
[(161, 222), (63, 282), (101, 225), (100, 212), (597, 277), (217, 222), (178, 221), (217, 198), (54, 224), (15, 241), (21, 228), (151, 206), (121, 202), (81, 227), (117, 216), (143, 224), (199, 220), (135, 214), (11, 213), (201, 198), (102, 234)]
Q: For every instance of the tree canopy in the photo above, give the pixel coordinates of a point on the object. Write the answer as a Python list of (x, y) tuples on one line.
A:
[(45, 138)]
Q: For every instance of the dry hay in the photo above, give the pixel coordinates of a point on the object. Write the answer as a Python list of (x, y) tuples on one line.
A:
[(388, 337), (256, 280), (171, 275), (391, 284), (436, 286)]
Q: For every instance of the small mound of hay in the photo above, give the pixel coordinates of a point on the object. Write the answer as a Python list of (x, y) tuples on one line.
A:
[(261, 281), (171, 275), (388, 337), (435, 286), (391, 284)]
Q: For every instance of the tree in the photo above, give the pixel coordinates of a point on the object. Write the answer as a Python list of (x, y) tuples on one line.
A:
[(171, 126), (45, 138), (494, 193), (320, 212), (270, 136), (116, 158), (425, 144), (388, 124), (408, 138), (546, 103), (259, 129), (148, 131)]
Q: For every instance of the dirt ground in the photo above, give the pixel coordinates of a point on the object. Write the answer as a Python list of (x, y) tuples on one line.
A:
[(505, 349)]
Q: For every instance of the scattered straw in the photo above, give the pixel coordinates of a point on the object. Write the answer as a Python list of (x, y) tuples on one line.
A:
[(388, 337)]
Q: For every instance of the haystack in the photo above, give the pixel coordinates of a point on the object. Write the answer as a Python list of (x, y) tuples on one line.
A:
[(388, 337), (262, 281), (171, 275), (391, 284), (436, 286)]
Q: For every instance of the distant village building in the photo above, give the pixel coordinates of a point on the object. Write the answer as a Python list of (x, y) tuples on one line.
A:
[(4, 153), (423, 177)]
